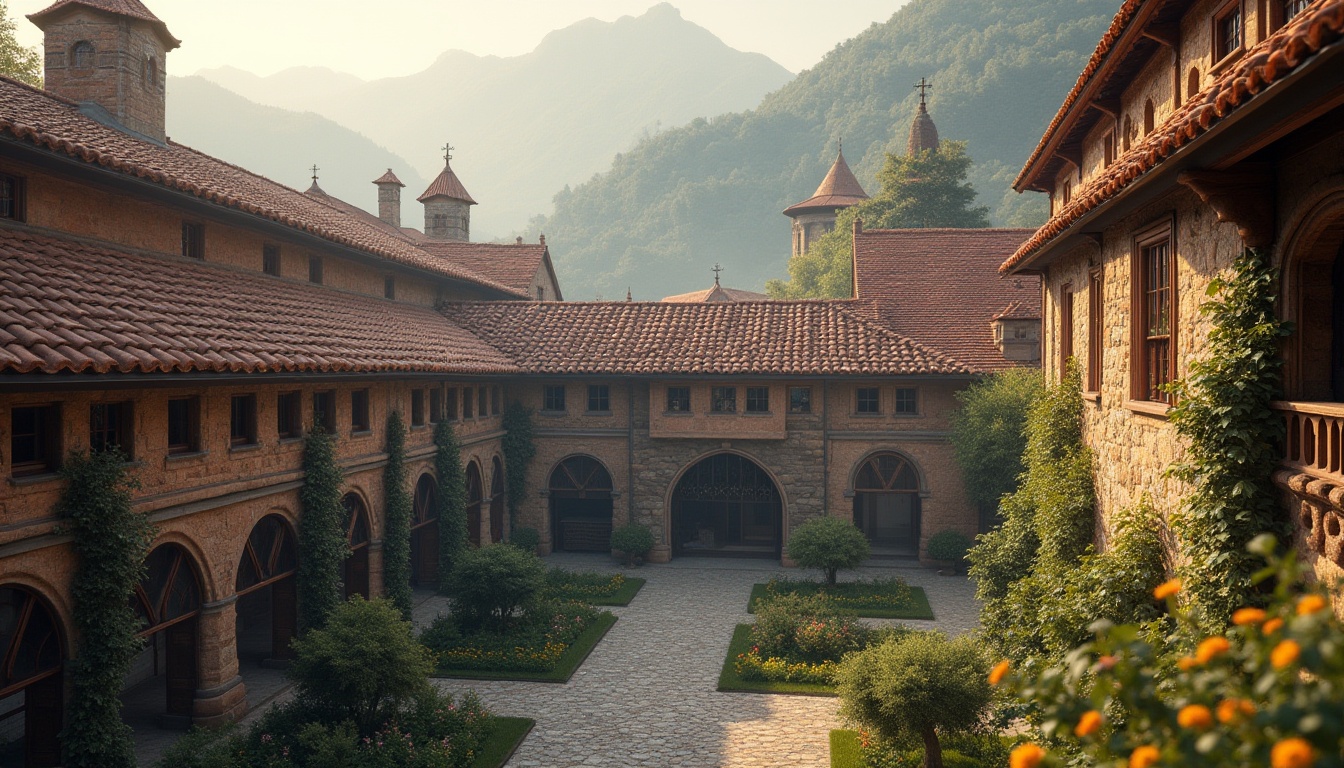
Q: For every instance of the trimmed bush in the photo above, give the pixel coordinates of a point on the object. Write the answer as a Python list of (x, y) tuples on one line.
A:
[(633, 541), (828, 544), (808, 629), (950, 547), (491, 584), (526, 539)]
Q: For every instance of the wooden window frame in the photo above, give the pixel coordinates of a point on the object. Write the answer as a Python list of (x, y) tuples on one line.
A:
[(723, 400), (1218, 54), (192, 426), (680, 397), (417, 408), (805, 406), (860, 398), (242, 431), (599, 398), (482, 403), (289, 415), (435, 397), (468, 403), (324, 410), (125, 430), (1066, 319), (361, 412), (18, 197), (1096, 311), (551, 395), (496, 400), (450, 403), (1141, 394), (316, 274), (46, 437), (913, 398), (270, 259), (757, 400), (193, 240)]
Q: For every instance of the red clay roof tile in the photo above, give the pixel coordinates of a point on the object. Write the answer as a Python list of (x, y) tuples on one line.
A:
[(840, 189), (716, 294), (389, 178), (446, 184), (508, 264)]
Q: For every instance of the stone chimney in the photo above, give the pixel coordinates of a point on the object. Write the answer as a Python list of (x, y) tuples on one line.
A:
[(389, 198), (110, 56)]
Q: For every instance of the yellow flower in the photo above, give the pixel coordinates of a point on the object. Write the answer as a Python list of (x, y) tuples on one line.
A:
[(1195, 716), (1272, 626), (1167, 589), (1231, 710), (1144, 756), (997, 673), (1187, 663), (1310, 604), (1026, 756), (1211, 648), (1292, 753), (1285, 653), (1088, 723), (1244, 617)]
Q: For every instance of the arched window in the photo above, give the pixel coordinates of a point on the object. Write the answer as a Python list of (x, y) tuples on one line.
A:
[(580, 491), (475, 495), (151, 71), (82, 55), (357, 536), (1128, 134), (1192, 82), (1149, 117), (886, 503)]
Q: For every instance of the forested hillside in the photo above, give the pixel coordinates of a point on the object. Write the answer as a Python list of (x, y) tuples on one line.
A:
[(712, 191)]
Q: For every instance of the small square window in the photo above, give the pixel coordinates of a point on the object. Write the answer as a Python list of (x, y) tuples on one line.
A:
[(193, 240), (483, 402), (553, 399), (436, 405), (315, 269), (599, 397), (800, 399), (270, 259), (110, 426), (417, 408), (243, 420), (324, 410), (1227, 31), (868, 400), (34, 440), (389, 287), (11, 197), (184, 425), (467, 399), (907, 401), (496, 400), (450, 400), (359, 410), (678, 399), (289, 415), (758, 399), (723, 400)]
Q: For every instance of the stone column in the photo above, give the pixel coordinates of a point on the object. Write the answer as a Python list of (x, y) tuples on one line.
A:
[(221, 696)]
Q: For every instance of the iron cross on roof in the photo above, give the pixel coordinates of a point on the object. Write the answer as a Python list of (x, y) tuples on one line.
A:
[(314, 169), (717, 269), (923, 85), (448, 152)]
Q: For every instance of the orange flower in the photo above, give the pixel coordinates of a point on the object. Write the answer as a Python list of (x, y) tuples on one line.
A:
[(1187, 663), (1088, 723), (1310, 604), (997, 673), (1026, 756), (1211, 648), (1144, 756), (1244, 617), (1195, 716), (1285, 653), (1230, 710), (1272, 626), (1167, 589), (1106, 662), (1292, 753)]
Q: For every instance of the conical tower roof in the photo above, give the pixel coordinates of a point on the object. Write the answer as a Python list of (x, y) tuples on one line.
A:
[(838, 190), (389, 178), (923, 133), (447, 185), (133, 9)]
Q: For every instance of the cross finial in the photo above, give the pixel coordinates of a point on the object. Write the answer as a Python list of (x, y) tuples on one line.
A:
[(841, 144), (717, 270), (448, 152), (923, 85), (314, 169)]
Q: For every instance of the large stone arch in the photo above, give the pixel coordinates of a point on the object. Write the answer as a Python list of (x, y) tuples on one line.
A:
[(580, 492), (169, 603), (887, 486), (206, 565), (751, 539), (425, 530), (35, 649), (1310, 253)]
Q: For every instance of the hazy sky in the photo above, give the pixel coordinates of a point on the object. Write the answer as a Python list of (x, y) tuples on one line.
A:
[(399, 37)]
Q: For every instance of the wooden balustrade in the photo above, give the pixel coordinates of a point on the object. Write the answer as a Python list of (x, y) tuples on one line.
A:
[(1314, 443)]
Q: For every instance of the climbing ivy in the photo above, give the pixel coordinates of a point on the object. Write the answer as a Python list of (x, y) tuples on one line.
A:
[(397, 530), (1234, 439), (322, 543), (110, 542), (452, 500), (519, 449)]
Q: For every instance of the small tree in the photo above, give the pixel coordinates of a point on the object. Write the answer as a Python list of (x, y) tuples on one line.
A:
[(921, 685), (828, 544), (17, 61), (490, 584), (632, 540), (989, 432)]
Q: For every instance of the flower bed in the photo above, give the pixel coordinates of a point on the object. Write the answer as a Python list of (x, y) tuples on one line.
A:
[(548, 643), (890, 598), (592, 588)]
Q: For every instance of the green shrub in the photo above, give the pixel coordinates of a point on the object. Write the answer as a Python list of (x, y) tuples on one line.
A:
[(491, 584), (633, 541), (828, 544), (526, 539), (322, 538), (534, 642), (921, 685), (988, 432), (806, 629), (950, 547), (452, 500), (397, 529), (1005, 554)]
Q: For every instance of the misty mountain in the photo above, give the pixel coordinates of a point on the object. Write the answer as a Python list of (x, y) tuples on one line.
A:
[(712, 191), (524, 126)]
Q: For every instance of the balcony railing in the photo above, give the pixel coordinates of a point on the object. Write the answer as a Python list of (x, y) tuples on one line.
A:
[(1314, 441)]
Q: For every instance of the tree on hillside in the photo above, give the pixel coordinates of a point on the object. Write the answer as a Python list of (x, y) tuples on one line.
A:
[(918, 191), (17, 61)]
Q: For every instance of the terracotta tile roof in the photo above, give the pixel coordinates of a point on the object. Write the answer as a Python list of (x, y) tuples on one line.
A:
[(35, 117), (838, 190), (67, 306), (132, 8), (715, 294), (940, 287), (446, 184), (511, 264), (389, 178), (320, 195), (1269, 61), (1018, 310), (802, 338), (923, 133)]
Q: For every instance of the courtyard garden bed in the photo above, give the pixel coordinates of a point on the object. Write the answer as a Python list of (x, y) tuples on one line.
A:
[(503, 736), (546, 644), (875, 599), (592, 588)]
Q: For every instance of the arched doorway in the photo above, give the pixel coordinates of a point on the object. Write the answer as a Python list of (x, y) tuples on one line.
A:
[(425, 533), (886, 504), (267, 612), (496, 501), (31, 684), (357, 536), (168, 604), (474, 504), (1315, 287), (581, 505), (727, 504)]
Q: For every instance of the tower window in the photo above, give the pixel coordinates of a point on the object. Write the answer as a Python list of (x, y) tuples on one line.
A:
[(151, 72), (243, 420), (678, 399), (359, 410), (553, 398), (288, 415), (1155, 305), (82, 55), (867, 400), (110, 427), (758, 399), (599, 398), (417, 408), (436, 405), (907, 401), (723, 399), (800, 399)]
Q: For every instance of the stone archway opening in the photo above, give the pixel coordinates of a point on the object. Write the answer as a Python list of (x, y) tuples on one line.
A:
[(496, 501), (425, 533), (1316, 286), (581, 501), (356, 576), (886, 504), (32, 702), (161, 686), (474, 501), (728, 505), (267, 608)]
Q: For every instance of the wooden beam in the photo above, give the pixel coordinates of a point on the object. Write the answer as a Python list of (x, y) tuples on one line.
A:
[(1109, 107), (1167, 35), (1243, 195)]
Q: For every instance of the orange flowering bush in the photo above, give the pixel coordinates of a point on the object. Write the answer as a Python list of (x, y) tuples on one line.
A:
[(1269, 691)]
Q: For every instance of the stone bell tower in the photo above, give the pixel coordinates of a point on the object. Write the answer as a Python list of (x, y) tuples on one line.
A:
[(447, 205)]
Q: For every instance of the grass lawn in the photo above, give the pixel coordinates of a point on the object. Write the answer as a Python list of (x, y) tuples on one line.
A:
[(729, 680), (622, 595), (564, 668), (503, 739), (845, 752), (916, 608)]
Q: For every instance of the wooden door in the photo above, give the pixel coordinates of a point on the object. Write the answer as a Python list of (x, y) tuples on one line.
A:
[(284, 617), (42, 722), (181, 667), (425, 555)]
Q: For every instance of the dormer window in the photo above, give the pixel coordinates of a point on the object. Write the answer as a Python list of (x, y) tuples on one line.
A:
[(1227, 31), (151, 72), (82, 55)]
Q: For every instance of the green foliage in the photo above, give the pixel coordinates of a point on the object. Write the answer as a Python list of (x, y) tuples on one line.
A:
[(989, 432), (397, 530), (811, 629), (1234, 438), (634, 540), (828, 544), (322, 542), (110, 542), (920, 685), (519, 448), (490, 584), (526, 539), (452, 501), (1005, 554), (17, 61), (889, 597), (536, 641), (949, 546), (960, 750), (364, 666)]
